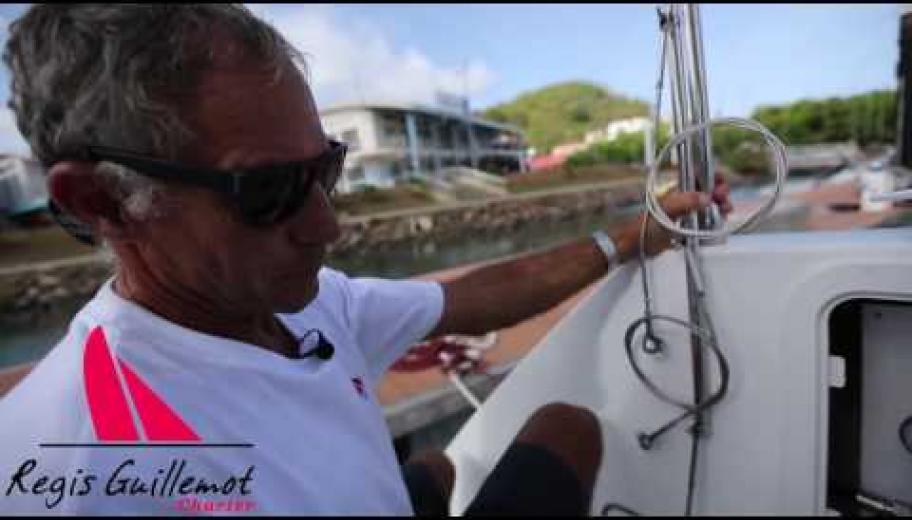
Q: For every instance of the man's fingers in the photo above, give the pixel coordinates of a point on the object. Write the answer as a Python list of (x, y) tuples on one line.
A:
[(721, 192), (679, 204)]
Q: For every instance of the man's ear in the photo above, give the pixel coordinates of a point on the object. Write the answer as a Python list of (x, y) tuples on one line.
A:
[(78, 190)]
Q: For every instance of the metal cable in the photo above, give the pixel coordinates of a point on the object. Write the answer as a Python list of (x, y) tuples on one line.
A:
[(780, 168), (613, 506), (708, 336), (692, 474), (651, 343), (709, 342), (706, 333)]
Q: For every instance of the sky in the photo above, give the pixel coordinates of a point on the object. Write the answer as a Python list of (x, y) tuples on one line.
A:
[(756, 54)]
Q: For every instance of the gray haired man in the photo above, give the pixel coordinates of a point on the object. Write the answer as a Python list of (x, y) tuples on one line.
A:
[(223, 368)]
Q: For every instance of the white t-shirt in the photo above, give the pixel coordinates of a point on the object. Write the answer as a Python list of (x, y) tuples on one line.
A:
[(253, 431)]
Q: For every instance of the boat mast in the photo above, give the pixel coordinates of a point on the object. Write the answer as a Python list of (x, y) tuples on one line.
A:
[(689, 100), (682, 59), (690, 107)]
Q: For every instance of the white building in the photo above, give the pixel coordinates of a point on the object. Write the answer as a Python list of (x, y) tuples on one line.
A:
[(389, 143), (23, 186), (612, 130)]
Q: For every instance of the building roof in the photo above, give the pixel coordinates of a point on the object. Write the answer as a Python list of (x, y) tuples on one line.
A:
[(424, 109)]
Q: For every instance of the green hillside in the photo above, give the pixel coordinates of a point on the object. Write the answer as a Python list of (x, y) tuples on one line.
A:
[(863, 118), (564, 112)]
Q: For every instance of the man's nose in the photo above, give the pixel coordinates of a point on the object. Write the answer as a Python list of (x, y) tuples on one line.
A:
[(316, 221)]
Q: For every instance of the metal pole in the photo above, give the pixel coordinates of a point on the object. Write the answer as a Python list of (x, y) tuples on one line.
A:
[(699, 101), (904, 91), (680, 114), (689, 107)]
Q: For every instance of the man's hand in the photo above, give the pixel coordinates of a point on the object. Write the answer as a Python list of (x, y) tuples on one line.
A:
[(676, 205)]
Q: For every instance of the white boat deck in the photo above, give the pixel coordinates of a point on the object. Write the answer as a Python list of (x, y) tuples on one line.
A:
[(770, 296)]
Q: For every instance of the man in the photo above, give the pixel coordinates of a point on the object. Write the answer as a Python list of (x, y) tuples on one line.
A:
[(223, 368)]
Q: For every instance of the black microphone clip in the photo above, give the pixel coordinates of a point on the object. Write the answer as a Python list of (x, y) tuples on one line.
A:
[(324, 349)]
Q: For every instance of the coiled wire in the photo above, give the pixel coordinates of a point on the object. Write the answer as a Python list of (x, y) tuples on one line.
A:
[(780, 167), (905, 434), (651, 343)]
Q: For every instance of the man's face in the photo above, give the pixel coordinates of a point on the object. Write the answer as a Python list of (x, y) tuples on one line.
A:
[(243, 117)]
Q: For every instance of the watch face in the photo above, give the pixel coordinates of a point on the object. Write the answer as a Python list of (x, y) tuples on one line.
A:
[(606, 244)]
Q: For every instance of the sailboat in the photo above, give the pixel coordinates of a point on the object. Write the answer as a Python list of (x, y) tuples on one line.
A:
[(736, 374)]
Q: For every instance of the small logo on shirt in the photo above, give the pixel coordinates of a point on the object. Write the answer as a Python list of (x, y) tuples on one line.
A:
[(359, 386)]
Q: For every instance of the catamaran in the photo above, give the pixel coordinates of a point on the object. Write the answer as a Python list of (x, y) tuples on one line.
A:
[(736, 374)]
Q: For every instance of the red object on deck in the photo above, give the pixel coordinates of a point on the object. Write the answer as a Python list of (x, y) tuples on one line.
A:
[(449, 356)]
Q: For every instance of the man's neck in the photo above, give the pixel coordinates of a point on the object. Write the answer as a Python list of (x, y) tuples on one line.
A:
[(192, 310)]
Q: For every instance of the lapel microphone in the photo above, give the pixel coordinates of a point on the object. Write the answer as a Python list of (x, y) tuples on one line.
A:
[(323, 351)]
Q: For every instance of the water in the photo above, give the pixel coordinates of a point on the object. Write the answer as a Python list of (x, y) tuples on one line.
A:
[(421, 257), (30, 341)]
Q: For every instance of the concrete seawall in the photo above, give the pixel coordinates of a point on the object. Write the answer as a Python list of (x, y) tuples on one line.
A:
[(35, 288), (491, 215)]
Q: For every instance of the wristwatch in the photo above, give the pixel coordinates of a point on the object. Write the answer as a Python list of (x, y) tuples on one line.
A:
[(606, 244)]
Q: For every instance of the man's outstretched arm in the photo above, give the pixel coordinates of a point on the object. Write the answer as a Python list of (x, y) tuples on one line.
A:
[(503, 294)]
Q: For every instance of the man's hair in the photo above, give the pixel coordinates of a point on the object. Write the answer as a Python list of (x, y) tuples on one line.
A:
[(124, 75)]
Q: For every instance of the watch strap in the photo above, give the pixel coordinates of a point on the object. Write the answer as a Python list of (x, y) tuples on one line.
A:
[(607, 246)]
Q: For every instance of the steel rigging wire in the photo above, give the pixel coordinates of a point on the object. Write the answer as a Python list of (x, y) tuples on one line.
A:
[(651, 343)]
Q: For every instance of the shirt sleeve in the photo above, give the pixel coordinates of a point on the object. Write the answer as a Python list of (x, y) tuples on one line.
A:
[(389, 316)]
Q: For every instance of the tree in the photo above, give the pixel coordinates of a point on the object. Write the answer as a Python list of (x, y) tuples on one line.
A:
[(627, 148), (864, 118)]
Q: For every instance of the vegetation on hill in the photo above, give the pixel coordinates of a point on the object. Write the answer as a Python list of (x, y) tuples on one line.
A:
[(628, 148), (865, 118), (564, 112)]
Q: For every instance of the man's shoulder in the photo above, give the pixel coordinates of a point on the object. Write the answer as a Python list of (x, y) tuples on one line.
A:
[(51, 398), (333, 280), (334, 284), (338, 289), (353, 292), (46, 407), (341, 281)]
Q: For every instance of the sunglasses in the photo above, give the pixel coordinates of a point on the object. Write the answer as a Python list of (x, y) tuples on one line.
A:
[(262, 195)]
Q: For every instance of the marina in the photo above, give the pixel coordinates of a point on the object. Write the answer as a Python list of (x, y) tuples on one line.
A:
[(729, 362)]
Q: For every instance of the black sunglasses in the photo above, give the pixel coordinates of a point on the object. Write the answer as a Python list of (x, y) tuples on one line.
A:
[(262, 195)]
